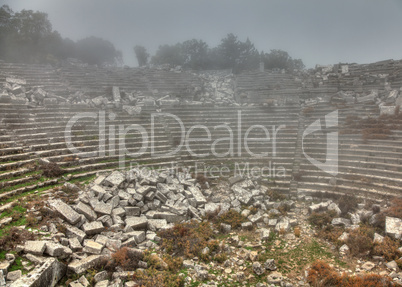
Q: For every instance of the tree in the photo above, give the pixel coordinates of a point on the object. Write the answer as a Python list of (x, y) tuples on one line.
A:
[(195, 54), (97, 51), (142, 55), (229, 51), (279, 59), (169, 54)]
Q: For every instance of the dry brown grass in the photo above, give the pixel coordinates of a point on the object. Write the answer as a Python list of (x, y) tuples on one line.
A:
[(323, 275)]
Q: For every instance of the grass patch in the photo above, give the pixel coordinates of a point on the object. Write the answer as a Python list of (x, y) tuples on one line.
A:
[(293, 261)]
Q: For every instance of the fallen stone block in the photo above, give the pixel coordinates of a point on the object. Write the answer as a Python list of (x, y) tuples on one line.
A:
[(139, 236), (47, 274), (114, 179), (136, 222), (86, 211), (65, 211), (168, 216), (341, 221), (75, 244), (14, 275), (57, 250), (35, 247), (103, 208), (93, 247), (79, 266), (393, 227), (91, 228), (72, 231)]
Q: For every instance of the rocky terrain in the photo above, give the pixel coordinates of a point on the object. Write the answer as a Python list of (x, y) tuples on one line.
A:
[(144, 227)]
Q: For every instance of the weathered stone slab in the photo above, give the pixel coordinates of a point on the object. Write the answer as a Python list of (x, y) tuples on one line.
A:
[(197, 194), (17, 81), (82, 265), (86, 211), (114, 179), (393, 227), (136, 222), (139, 236), (35, 247), (103, 208), (168, 216), (47, 274), (157, 224), (65, 211), (93, 247), (341, 221), (72, 231), (57, 250), (243, 195), (94, 227)]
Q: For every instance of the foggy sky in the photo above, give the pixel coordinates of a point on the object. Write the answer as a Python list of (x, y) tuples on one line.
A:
[(316, 31)]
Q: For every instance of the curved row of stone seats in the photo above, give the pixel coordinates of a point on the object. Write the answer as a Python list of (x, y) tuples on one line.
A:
[(257, 87), (371, 166), (365, 77), (43, 76), (98, 79)]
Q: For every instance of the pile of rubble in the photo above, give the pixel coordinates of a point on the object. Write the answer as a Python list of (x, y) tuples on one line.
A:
[(16, 90), (218, 89), (126, 209)]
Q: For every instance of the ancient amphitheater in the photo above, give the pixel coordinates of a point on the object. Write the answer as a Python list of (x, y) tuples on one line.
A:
[(38, 102)]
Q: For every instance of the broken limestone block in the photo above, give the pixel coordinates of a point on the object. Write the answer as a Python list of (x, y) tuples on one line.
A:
[(74, 232), (91, 228), (86, 211), (283, 225), (243, 195), (103, 208), (47, 274), (75, 244), (114, 179), (170, 217), (139, 236), (132, 211), (387, 110), (12, 80), (14, 275), (197, 194), (132, 110), (35, 247), (93, 247), (65, 211), (393, 227), (57, 250), (341, 221), (136, 223), (157, 224), (98, 189), (79, 266)]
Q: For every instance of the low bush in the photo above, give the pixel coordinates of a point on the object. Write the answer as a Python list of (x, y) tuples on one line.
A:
[(14, 237), (154, 278), (51, 170), (231, 217), (187, 239), (126, 258), (321, 219), (323, 275), (387, 248), (360, 241)]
